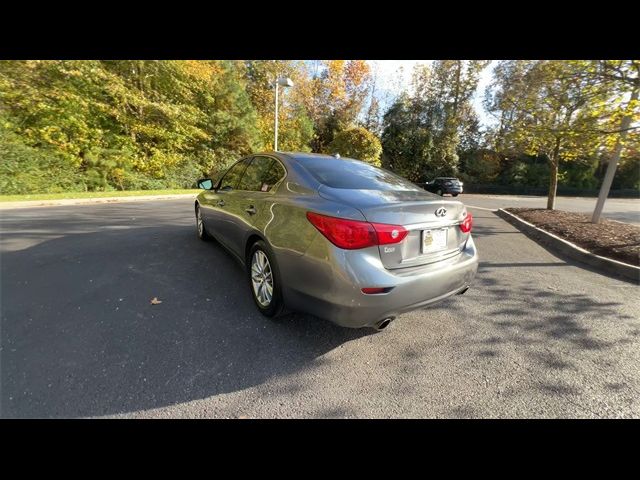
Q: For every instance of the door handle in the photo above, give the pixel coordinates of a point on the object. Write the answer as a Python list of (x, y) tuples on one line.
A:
[(251, 210), (221, 203)]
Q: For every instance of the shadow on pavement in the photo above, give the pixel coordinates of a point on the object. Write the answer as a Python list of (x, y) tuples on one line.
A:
[(80, 337)]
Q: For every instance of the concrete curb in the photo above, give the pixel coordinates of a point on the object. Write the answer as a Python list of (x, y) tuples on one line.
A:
[(602, 264), (89, 201)]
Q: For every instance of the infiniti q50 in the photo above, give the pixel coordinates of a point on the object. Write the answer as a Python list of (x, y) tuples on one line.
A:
[(336, 237)]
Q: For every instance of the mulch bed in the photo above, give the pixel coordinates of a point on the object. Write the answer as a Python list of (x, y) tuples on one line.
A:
[(620, 241)]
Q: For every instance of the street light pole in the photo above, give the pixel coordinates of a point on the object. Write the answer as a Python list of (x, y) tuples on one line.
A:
[(275, 141), (285, 82)]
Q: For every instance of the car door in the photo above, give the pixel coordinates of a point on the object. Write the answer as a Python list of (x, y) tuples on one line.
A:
[(257, 186), (218, 205)]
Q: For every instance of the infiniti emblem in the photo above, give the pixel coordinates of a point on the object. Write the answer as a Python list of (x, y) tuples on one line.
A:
[(441, 212)]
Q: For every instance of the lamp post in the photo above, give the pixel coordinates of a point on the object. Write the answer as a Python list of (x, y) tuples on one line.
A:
[(284, 82)]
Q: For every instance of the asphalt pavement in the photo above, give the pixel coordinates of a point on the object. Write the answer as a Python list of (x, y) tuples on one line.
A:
[(535, 336)]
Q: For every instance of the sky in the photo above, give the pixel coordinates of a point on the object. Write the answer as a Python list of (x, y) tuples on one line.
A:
[(395, 75)]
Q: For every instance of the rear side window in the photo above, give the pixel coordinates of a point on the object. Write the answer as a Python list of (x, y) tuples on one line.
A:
[(353, 174), (262, 175), (272, 176)]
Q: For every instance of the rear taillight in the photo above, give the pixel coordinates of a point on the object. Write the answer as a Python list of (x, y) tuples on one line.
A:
[(376, 290), (467, 223), (354, 234), (389, 233)]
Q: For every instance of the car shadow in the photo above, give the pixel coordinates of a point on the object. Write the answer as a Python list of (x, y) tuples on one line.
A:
[(80, 336)]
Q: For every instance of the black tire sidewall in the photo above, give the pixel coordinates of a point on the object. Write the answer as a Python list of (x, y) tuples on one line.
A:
[(205, 236), (276, 305)]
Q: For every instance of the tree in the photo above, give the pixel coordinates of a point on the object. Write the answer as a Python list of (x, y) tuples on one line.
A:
[(358, 143), (623, 76), (424, 132), (481, 165), (407, 144), (548, 108), (338, 94), (130, 124), (295, 130), (443, 94)]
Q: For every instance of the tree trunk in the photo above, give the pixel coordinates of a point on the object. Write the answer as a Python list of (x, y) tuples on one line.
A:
[(553, 186), (553, 176)]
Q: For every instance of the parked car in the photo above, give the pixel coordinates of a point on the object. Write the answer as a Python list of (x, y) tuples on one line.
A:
[(336, 237), (442, 185)]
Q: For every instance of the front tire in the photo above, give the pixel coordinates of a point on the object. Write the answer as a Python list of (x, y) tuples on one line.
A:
[(454, 194), (202, 231), (264, 280), (440, 192)]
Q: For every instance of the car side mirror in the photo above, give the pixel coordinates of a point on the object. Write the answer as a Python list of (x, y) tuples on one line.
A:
[(205, 184)]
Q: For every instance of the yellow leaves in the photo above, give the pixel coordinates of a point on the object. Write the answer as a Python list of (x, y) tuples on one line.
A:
[(200, 69)]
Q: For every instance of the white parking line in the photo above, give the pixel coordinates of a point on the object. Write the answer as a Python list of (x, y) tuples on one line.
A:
[(482, 208)]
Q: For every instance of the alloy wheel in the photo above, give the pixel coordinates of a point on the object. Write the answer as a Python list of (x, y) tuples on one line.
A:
[(261, 278), (200, 223)]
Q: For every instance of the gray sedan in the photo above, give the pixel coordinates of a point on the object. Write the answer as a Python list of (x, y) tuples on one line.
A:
[(336, 237)]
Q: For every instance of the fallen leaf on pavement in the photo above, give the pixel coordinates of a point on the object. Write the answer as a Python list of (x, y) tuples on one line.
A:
[(155, 301)]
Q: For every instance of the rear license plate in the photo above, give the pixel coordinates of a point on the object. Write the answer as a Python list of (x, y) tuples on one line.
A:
[(434, 240)]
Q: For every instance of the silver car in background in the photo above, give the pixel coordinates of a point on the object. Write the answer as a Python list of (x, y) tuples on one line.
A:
[(336, 237)]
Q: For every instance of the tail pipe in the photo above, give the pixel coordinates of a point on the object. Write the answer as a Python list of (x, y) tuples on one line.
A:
[(382, 324), (463, 291)]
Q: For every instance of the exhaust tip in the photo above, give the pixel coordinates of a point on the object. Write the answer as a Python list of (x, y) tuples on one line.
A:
[(382, 324), (463, 291)]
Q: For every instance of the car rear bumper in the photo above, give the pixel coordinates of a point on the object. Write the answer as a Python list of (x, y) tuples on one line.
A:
[(330, 288)]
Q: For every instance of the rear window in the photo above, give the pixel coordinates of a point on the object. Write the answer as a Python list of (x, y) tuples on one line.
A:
[(353, 174)]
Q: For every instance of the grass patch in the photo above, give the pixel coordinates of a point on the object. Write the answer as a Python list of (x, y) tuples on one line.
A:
[(72, 195)]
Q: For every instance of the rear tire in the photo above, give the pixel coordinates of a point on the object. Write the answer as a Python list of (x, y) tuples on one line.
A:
[(454, 194), (200, 228), (264, 280)]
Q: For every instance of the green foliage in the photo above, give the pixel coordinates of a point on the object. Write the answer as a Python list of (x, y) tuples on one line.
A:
[(358, 143), (25, 169), (565, 110), (628, 173), (407, 145), (129, 124), (579, 173), (425, 132), (481, 166), (72, 125), (525, 170)]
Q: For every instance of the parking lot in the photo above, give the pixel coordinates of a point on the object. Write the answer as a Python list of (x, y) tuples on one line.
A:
[(535, 336)]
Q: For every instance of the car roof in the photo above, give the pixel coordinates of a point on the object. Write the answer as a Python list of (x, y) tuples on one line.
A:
[(309, 155), (300, 155)]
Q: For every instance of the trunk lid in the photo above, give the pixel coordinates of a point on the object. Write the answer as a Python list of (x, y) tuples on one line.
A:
[(415, 211)]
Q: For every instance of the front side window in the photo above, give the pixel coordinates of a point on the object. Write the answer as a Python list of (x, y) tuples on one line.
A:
[(234, 174), (262, 175)]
